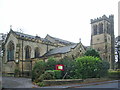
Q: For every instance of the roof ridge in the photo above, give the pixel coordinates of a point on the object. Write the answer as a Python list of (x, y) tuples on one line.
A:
[(59, 39)]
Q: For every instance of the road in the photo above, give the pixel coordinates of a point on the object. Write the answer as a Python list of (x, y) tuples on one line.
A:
[(113, 84)]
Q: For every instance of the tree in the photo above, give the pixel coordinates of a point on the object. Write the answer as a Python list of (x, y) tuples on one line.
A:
[(91, 67), (92, 52)]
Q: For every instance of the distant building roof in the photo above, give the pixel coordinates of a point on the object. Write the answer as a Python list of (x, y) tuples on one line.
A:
[(60, 50)]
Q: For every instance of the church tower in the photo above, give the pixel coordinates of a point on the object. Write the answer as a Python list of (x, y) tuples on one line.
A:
[(102, 37)]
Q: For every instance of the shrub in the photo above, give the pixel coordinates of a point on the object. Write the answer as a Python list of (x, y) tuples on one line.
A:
[(38, 69), (16, 72), (90, 67), (57, 74), (41, 84), (114, 74), (48, 75), (51, 63), (69, 68)]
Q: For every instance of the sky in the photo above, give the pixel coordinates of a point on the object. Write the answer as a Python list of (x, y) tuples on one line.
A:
[(65, 19)]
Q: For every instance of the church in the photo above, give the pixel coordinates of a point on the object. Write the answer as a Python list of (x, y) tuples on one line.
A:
[(21, 50)]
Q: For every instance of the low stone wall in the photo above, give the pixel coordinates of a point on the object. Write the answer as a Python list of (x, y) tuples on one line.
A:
[(61, 81)]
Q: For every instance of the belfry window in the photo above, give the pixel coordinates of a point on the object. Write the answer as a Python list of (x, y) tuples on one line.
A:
[(27, 52), (10, 51), (108, 28), (95, 29), (37, 52), (100, 28)]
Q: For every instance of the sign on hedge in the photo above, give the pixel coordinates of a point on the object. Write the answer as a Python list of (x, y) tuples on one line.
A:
[(60, 67)]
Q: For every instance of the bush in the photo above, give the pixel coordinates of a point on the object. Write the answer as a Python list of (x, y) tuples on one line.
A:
[(41, 84), (48, 75), (114, 74), (38, 69), (16, 72), (90, 67), (57, 74), (69, 68), (51, 63)]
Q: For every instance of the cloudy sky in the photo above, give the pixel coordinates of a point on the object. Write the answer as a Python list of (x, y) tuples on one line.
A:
[(65, 19)]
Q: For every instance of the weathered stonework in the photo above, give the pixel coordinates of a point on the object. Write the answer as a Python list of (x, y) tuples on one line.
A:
[(22, 53), (102, 38)]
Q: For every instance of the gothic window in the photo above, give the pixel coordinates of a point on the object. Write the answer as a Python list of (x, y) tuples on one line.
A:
[(108, 28), (27, 52), (10, 51), (37, 52), (100, 28), (95, 29)]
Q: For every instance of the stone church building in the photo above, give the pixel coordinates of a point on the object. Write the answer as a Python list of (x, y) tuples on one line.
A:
[(21, 50)]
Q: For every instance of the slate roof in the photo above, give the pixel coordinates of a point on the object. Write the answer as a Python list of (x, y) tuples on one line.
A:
[(24, 35), (61, 40), (60, 50)]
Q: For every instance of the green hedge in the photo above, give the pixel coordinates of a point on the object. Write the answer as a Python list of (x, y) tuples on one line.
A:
[(91, 67), (57, 74), (49, 75), (38, 69), (114, 74), (81, 68)]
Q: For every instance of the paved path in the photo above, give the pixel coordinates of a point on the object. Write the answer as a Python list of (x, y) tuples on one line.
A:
[(12, 82)]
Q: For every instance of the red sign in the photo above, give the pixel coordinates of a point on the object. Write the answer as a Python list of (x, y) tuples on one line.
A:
[(60, 67)]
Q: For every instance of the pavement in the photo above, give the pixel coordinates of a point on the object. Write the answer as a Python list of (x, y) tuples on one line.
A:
[(13, 82)]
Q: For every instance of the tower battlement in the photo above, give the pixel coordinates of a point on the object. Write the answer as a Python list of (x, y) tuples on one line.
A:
[(104, 17)]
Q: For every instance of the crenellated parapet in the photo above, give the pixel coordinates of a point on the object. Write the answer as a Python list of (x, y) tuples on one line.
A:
[(104, 17)]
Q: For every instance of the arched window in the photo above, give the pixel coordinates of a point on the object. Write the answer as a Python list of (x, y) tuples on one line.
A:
[(108, 28), (95, 29), (100, 28), (37, 52), (10, 51), (27, 52)]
